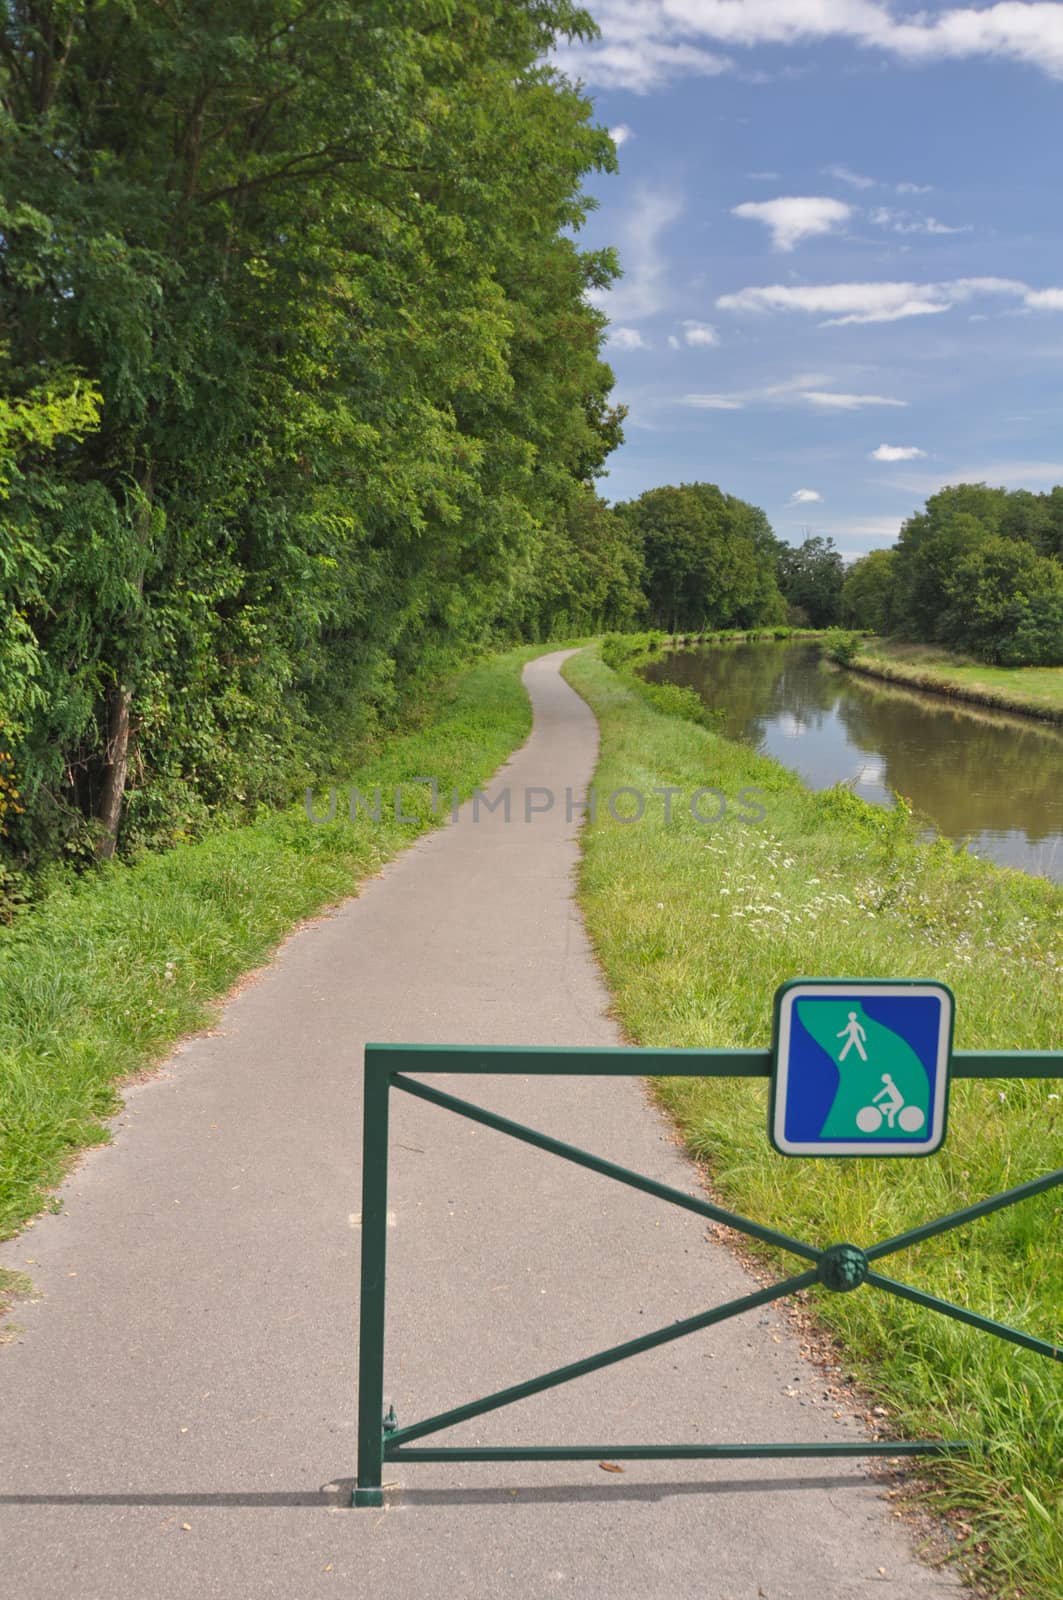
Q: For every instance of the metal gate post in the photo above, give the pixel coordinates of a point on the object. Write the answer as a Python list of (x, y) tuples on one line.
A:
[(369, 1491)]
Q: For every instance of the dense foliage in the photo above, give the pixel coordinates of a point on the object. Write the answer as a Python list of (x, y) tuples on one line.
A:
[(299, 391), (811, 575), (979, 569), (709, 559)]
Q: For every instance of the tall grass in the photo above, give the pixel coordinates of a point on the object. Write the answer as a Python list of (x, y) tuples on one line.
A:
[(104, 975), (696, 926)]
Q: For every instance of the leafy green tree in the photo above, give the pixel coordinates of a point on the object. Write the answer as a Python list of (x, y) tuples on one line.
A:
[(869, 591), (708, 558), (978, 569), (1050, 527), (583, 576), (314, 266), (811, 577), (1005, 602)]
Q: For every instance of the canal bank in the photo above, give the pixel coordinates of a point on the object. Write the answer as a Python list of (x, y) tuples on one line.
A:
[(696, 927), (1024, 691)]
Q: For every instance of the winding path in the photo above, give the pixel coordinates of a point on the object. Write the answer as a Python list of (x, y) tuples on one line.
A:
[(177, 1418)]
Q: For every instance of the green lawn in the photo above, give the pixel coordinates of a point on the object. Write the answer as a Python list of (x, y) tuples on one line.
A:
[(100, 979), (1030, 689), (696, 925)]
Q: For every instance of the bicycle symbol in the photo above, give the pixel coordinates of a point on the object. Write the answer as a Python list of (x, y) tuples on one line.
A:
[(869, 1119)]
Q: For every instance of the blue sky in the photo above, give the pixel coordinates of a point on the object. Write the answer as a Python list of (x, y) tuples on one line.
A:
[(842, 237)]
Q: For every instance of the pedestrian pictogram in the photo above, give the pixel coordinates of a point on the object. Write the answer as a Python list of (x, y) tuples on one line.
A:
[(853, 1034), (860, 1068)]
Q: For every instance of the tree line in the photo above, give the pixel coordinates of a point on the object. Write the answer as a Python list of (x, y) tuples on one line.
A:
[(979, 570), (709, 561), (301, 395)]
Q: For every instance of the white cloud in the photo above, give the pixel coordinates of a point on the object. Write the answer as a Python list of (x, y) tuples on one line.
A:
[(807, 388), (857, 180), (896, 452), (640, 63), (905, 222), (805, 496), (846, 175), (673, 342), (715, 402), (620, 134), (627, 339), (642, 291), (648, 43), (830, 400), (795, 217), (844, 303), (700, 333)]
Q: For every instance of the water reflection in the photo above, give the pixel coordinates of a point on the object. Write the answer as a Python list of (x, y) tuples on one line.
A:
[(993, 780)]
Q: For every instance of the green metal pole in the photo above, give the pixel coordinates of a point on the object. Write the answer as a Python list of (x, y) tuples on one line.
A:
[(682, 1452), (974, 1319), (369, 1491)]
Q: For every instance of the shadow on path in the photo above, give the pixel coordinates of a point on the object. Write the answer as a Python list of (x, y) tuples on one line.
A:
[(339, 1494)]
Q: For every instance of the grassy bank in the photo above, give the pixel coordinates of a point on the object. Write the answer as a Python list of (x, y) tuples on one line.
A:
[(696, 925), (101, 978), (1034, 691)]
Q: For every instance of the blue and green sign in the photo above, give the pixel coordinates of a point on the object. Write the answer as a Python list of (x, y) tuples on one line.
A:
[(860, 1068)]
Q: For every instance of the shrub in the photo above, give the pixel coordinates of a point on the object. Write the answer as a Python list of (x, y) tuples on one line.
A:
[(677, 700), (841, 645), (616, 648)]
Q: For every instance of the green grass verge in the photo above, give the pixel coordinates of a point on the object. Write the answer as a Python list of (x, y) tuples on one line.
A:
[(100, 979), (696, 926), (1030, 690)]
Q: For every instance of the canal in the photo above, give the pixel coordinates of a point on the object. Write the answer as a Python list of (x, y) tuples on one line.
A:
[(990, 781)]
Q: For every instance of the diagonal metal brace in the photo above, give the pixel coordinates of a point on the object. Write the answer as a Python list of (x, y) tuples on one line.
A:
[(957, 1219), (608, 1169), (932, 1302), (603, 1358)]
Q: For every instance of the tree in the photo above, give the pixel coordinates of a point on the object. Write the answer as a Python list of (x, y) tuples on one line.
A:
[(707, 558), (583, 576), (868, 597), (1005, 602), (811, 577), (978, 569), (315, 264)]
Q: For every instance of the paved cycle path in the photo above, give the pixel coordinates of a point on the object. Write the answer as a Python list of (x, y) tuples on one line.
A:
[(177, 1417)]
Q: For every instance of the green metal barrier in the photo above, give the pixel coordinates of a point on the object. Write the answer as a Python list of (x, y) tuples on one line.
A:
[(840, 1267)]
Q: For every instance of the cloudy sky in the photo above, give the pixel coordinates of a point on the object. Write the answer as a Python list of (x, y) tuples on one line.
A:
[(842, 240)]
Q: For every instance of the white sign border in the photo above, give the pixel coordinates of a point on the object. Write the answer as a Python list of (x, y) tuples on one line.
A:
[(856, 990)]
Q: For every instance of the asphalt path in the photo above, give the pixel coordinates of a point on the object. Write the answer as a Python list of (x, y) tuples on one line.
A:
[(178, 1411)]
